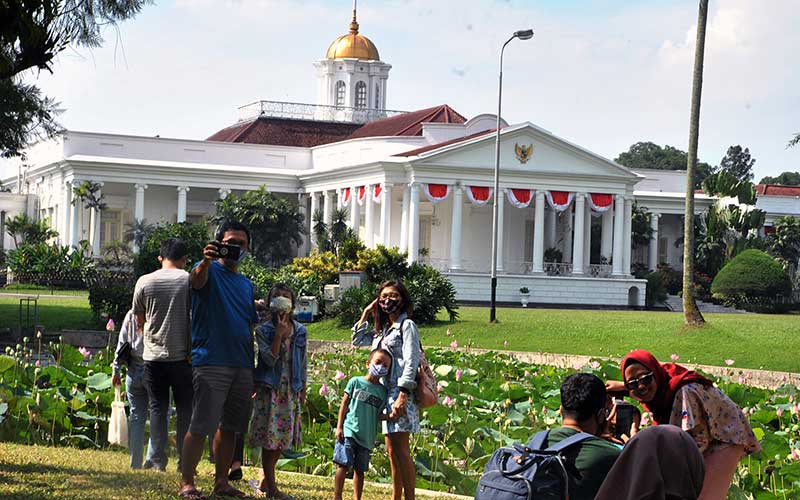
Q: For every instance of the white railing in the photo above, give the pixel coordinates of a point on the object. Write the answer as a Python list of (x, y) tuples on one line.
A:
[(557, 268), (520, 267), (598, 270), (316, 112)]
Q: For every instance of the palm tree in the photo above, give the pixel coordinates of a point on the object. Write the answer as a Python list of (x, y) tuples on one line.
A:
[(691, 314), (795, 141)]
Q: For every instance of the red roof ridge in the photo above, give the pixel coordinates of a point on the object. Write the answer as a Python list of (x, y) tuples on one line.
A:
[(408, 124), (777, 190)]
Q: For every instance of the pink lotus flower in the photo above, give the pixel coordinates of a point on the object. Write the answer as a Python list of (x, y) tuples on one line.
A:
[(459, 374), (38, 363), (84, 352), (595, 364), (323, 391), (729, 362), (527, 374), (339, 375), (110, 325), (439, 387), (454, 344), (674, 357), (795, 454), (448, 401), (779, 412)]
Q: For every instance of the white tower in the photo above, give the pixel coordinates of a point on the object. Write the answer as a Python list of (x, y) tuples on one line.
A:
[(352, 76)]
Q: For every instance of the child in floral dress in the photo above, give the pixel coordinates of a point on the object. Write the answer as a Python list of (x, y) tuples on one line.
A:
[(280, 377)]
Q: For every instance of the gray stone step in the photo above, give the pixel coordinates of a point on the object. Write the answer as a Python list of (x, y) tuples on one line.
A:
[(675, 303)]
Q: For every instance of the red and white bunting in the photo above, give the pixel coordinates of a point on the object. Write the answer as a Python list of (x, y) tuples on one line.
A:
[(377, 191), (344, 198), (362, 195), (520, 198), (436, 193), (479, 195), (600, 202), (559, 200)]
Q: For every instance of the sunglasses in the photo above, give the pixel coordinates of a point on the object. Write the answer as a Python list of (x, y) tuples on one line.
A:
[(634, 383)]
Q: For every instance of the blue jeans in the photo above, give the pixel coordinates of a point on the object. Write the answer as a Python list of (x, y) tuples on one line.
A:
[(159, 378), (139, 410)]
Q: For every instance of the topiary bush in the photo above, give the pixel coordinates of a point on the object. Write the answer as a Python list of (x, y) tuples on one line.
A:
[(752, 280), (110, 293), (656, 293)]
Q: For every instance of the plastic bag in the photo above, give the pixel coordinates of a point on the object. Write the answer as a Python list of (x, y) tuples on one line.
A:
[(118, 422)]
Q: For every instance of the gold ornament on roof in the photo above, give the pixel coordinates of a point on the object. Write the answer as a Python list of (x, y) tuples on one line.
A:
[(353, 45), (523, 153)]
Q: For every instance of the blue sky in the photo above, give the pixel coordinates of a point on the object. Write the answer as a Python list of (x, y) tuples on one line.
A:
[(603, 74)]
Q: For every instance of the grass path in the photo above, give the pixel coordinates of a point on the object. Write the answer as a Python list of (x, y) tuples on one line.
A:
[(54, 313), (760, 341), (44, 473)]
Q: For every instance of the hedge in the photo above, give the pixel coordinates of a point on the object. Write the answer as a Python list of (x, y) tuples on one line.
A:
[(751, 277)]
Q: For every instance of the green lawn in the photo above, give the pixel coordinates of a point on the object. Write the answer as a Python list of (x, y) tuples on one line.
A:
[(751, 340), (44, 473), (54, 314)]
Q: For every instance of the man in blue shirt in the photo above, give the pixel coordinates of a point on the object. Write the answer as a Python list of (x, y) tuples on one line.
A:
[(223, 315)]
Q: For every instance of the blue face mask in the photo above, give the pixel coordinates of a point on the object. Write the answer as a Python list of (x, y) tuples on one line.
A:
[(378, 370)]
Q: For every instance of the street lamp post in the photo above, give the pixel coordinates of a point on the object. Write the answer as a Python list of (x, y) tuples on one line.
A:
[(522, 35)]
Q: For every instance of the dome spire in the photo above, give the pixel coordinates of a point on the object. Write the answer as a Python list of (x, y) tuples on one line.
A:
[(354, 23)]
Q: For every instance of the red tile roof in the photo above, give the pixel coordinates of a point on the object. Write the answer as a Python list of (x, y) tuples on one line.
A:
[(424, 149), (408, 123), (285, 132), (777, 190)]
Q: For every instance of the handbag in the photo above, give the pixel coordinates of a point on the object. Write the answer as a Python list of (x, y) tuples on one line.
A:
[(426, 393), (118, 422), (124, 354)]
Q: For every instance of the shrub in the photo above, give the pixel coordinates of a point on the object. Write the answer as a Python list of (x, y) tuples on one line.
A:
[(430, 291), (671, 279), (323, 265), (752, 277), (264, 278), (352, 302), (110, 293), (383, 263), (656, 293), (194, 235), (348, 253)]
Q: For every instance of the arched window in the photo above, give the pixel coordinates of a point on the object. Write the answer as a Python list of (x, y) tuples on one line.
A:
[(377, 96), (340, 93), (361, 95)]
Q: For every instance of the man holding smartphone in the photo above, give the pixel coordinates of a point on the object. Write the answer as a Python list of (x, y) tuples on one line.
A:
[(223, 315)]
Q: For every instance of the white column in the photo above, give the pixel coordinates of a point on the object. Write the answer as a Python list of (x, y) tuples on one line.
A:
[(302, 209), (626, 242), (413, 224), (355, 211), (455, 229), (538, 232), (619, 230), (138, 208), (327, 207), (386, 214), (607, 236), (550, 225), (75, 220), (577, 244), (404, 221), (369, 217), (587, 235), (501, 234), (65, 218), (652, 251), (223, 193), (94, 227), (182, 191), (568, 229), (314, 209)]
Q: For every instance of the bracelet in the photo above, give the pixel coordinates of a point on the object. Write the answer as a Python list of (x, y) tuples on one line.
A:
[(404, 391)]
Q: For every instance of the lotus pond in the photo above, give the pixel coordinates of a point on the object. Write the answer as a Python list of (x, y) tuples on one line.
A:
[(487, 401)]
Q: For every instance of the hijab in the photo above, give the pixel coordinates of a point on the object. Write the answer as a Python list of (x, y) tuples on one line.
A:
[(658, 463), (668, 376)]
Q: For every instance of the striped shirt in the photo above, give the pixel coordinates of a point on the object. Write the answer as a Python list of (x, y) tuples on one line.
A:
[(164, 298)]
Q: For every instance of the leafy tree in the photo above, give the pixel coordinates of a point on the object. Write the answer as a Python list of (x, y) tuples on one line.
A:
[(738, 163), (784, 179), (724, 183), (795, 141), (194, 235), (651, 155), (276, 225), (32, 33), (26, 231), (138, 231), (86, 193), (784, 242), (641, 231), (691, 314)]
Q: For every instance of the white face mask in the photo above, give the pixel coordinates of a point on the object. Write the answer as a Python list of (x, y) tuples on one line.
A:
[(378, 370)]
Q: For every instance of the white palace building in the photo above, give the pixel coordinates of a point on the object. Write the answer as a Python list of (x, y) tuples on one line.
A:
[(417, 180)]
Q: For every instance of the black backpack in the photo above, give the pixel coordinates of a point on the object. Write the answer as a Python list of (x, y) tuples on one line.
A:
[(528, 472)]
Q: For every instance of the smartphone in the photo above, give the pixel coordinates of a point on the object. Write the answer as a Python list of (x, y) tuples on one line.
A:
[(226, 251), (625, 414)]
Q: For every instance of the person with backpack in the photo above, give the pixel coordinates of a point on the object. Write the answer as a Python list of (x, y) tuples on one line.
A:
[(567, 462), (395, 331)]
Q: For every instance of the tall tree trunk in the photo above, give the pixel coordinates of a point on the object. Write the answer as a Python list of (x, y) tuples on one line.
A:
[(691, 313)]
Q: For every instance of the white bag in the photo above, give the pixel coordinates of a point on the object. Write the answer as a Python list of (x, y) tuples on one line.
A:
[(118, 423)]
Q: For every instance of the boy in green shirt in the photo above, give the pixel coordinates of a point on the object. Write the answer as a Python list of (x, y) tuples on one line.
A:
[(359, 415)]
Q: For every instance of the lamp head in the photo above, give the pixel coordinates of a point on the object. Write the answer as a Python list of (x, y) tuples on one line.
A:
[(524, 34)]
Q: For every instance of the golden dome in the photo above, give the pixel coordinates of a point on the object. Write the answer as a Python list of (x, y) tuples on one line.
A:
[(353, 45)]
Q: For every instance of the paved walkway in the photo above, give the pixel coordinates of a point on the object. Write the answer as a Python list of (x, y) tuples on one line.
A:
[(764, 379), (675, 303)]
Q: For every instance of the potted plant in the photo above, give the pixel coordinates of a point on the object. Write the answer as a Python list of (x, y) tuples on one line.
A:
[(524, 294)]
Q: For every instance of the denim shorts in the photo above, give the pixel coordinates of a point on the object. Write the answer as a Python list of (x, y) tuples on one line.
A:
[(351, 454)]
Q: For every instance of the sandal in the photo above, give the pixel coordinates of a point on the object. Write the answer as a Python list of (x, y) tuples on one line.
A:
[(235, 475), (230, 491), (191, 494)]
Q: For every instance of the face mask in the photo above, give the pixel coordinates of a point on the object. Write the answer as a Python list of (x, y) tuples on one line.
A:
[(378, 370), (389, 306)]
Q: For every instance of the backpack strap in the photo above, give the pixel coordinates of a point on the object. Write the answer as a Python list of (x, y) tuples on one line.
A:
[(572, 440), (538, 439)]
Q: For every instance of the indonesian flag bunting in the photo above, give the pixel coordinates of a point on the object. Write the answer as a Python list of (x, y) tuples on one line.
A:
[(520, 198), (596, 214), (344, 198), (377, 190), (479, 195), (559, 200), (436, 193), (600, 202), (362, 194)]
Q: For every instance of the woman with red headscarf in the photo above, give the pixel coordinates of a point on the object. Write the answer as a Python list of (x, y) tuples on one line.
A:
[(684, 398)]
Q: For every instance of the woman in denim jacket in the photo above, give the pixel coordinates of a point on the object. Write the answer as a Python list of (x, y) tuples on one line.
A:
[(394, 331), (280, 377)]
